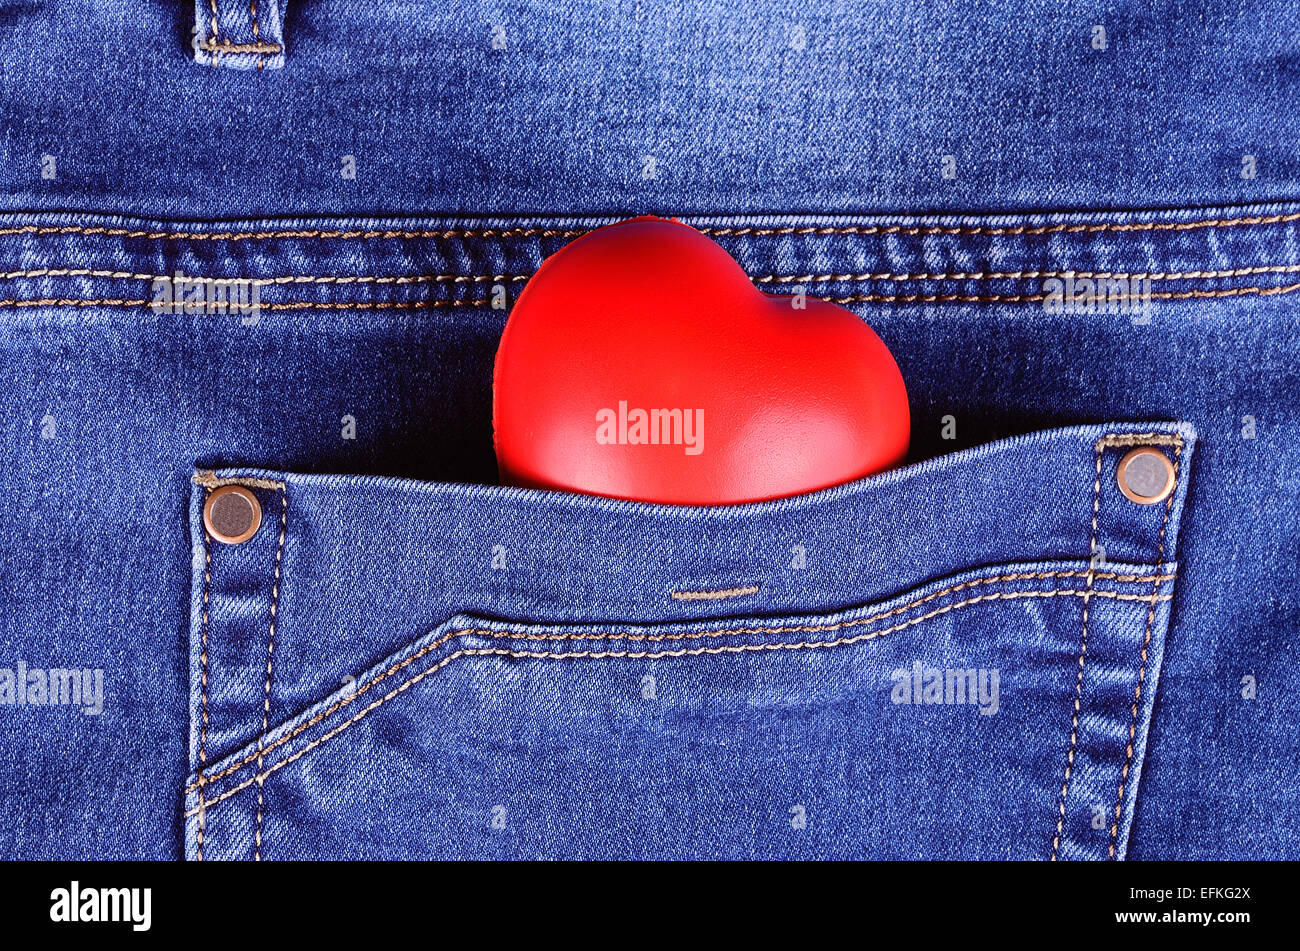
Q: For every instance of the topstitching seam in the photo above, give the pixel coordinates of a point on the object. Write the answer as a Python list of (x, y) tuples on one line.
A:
[(726, 648), (1262, 291), (761, 279), (257, 39), (270, 655), (1157, 578), (1083, 653), (216, 31), (534, 232), (203, 684), (1020, 275), (1142, 669), (1108, 441), (482, 302)]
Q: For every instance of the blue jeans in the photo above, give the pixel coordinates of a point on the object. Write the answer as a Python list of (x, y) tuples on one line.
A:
[(991, 652)]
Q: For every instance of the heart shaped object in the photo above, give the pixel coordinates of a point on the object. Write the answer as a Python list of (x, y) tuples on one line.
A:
[(641, 363)]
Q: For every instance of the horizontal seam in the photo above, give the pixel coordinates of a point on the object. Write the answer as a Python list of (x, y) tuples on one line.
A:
[(1014, 275), (714, 595), (851, 299), (722, 231), (283, 305), (302, 233), (1016, 230), (765, 279), (515, 635), (685, 652), (1031, 298), (269, 281)]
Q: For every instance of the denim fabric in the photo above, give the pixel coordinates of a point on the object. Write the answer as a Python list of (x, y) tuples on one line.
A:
[(762, 107), (412, 699), (105, 564)]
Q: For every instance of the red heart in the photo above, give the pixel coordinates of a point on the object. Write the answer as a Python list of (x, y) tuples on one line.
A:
[(640, 362)]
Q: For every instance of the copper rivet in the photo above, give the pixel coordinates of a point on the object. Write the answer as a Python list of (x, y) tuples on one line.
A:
[(232, 514), (1146, 476)]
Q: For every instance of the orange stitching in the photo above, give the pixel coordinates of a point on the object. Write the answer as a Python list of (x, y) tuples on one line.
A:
[(1229, 292), (515, 635), (1021, 230), (252, 9), (270, 654), (372, 305), (766, 279), (203, 680), (86, 272), (225, 46), (293, 305), (305, 233), (281, 279), (714, 595), (1032, 298), (216, 30), (518, 635), (1137, 693), (856, 298), (1083, 652), (723, 649), (1139, 439), (1019, 275), (726, 232), (210, 480), (402, 279)]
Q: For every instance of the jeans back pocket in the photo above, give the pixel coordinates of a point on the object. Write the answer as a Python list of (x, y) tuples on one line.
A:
[(955, 659)]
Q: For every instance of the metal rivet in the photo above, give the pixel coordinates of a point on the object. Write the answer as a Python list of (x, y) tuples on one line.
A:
[(232, 514), (1146, 476)]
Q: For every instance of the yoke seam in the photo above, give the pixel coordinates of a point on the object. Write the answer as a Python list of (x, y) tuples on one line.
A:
[(1265, 291), (281, 305), (1098, 227), (277, 279), (1243, 271)]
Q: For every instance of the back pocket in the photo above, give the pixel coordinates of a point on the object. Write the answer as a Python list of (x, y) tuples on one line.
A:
[(953, 660)]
